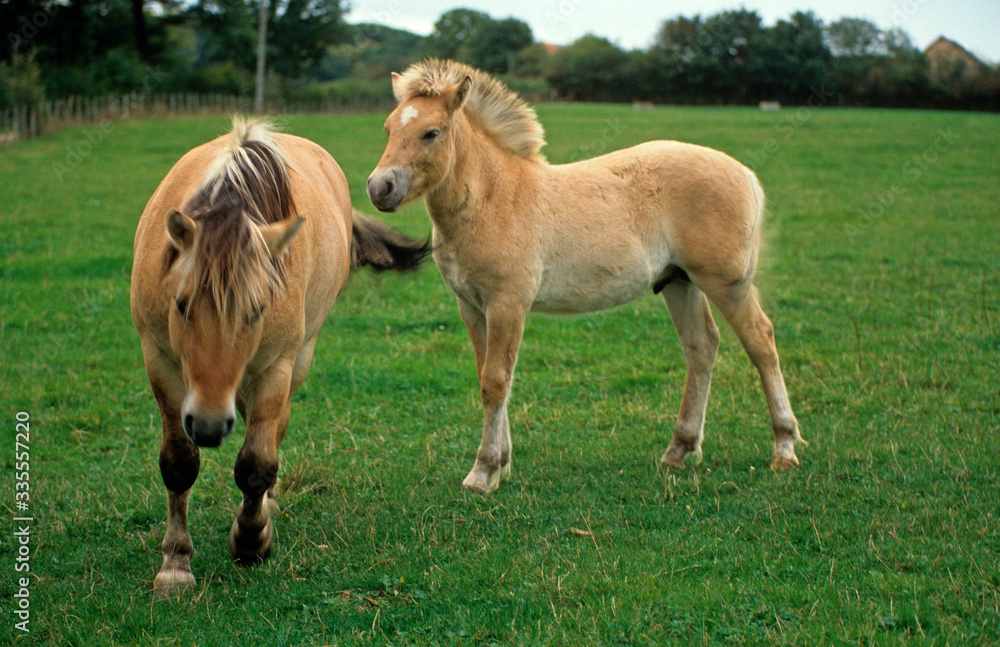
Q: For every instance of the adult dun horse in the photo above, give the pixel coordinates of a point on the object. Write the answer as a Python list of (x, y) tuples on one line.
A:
[(514, 234), (239, 256)]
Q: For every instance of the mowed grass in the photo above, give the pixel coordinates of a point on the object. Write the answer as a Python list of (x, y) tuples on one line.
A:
[(881, 274)]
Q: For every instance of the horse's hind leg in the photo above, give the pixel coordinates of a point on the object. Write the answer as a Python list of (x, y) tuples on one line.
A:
[(699, 338), (741, 307)]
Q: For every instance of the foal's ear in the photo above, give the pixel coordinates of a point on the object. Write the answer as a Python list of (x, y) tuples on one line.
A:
[(181, 230), (396, 86), (280, 235), (456, 95)]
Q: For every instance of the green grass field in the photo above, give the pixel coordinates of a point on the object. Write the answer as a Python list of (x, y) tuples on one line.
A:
[(882, 276)]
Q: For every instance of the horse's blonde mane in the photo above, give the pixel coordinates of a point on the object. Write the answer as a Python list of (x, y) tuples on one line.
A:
[(245, 188), (502, 112)]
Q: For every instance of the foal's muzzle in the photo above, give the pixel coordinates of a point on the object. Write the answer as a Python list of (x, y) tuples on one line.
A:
[(388, 188)]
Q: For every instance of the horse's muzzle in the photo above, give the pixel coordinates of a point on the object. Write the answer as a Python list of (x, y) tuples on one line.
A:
[(208, 431), (387, 188)]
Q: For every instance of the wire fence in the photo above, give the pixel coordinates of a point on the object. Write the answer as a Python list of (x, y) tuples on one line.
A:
[(31, 121)]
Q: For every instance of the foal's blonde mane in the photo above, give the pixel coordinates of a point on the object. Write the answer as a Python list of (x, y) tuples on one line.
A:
[(502, 112), (245, 188)]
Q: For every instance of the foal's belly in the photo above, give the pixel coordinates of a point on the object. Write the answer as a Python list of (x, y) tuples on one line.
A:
[(568, 283), (589, 289)]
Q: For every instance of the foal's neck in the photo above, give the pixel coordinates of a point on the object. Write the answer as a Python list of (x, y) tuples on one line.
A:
[(483, 179)]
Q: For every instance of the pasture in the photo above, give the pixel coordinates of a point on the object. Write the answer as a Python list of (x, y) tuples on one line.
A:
[(881, 273)]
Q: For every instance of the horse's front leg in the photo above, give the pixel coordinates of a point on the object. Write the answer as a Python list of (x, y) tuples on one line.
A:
[(179, 466), (256, 469), (496, 337)]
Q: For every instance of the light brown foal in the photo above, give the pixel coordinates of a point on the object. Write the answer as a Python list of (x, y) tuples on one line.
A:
[(514, 234)]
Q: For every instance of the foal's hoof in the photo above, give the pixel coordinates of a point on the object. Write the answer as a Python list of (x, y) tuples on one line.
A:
[(483, 479), (247, 547), (173, 581), (676, 455), (784, 463)]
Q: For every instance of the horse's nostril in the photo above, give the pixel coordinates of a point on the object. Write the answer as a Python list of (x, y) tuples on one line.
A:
[(189, 424), (230, 423), (387, 189)]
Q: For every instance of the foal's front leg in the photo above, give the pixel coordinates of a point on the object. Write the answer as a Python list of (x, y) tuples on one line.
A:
[(496, 337), (256, 469)]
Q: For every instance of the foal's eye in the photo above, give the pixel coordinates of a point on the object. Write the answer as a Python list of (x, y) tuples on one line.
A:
[(431, 134), (181, 305), (256, 315)]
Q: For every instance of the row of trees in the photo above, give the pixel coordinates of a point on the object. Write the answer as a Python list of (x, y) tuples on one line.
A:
[(56, 48), (732, 57), (82, 47)]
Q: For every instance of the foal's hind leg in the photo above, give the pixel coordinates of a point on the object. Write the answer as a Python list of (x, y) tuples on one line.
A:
[(742, 310), (699, 338)]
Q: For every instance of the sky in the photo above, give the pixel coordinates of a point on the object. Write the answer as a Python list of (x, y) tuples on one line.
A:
[(974, 24)]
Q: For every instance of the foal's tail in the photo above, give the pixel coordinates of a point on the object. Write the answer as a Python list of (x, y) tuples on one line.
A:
[(381, 248), (756, 241)]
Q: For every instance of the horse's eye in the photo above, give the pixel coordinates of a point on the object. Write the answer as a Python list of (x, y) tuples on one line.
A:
[(256, 316), (181, 305), (431, 134)]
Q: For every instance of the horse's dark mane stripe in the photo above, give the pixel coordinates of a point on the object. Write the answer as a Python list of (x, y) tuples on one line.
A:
[(252, 181), (248, 187)]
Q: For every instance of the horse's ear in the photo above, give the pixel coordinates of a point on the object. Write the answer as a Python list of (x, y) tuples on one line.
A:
[(455, 96), (396, 85), (280, 235), (181, 230)]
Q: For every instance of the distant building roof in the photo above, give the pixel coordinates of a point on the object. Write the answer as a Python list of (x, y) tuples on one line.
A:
[(945, 54), (551, 49)]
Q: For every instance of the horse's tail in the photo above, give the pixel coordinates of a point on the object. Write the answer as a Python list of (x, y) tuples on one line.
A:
[(381, 248)]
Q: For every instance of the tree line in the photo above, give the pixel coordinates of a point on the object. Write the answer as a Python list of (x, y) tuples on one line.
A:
[(57, 48)]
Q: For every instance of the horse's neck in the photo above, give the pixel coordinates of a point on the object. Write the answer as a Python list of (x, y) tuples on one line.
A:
[(482, 180)]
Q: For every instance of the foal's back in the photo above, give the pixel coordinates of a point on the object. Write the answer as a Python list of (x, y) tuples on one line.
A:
[(613, 227)]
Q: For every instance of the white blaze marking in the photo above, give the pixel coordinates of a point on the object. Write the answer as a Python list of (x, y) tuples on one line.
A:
[(409, 112)]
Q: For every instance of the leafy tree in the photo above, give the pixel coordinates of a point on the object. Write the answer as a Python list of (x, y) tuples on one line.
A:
[(475, 38), (677, 38), (531, 61), (497, 44), (228, 32), (677, 69), (873, 67), (790, 59), (371, 54), (454, 33), (726, 42), (710, 59), (855, 37), (300, 31), (591, 69), (20, 82)]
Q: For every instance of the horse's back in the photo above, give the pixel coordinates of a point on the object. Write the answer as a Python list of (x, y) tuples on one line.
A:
[(318, 261)]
